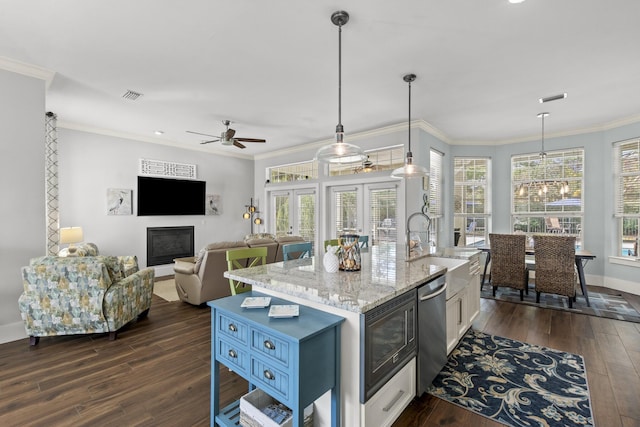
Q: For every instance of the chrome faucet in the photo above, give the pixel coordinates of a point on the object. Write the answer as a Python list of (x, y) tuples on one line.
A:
[(408, 230)]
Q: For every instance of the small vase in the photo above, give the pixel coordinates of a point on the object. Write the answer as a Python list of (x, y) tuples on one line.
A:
[(330, 260)]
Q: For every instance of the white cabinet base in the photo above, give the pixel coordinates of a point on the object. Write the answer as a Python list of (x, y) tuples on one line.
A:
[(387, 404)]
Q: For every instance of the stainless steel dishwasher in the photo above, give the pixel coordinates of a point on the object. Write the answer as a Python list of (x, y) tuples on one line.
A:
[(432, 333)]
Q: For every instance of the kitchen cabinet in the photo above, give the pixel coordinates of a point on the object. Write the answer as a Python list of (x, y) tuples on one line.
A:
[(463, 300)]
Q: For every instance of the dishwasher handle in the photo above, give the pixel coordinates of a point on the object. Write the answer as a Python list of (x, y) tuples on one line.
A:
[(435, 294)]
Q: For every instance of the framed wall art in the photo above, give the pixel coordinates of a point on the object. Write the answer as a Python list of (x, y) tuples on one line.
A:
[(213, 205), (119, 201)]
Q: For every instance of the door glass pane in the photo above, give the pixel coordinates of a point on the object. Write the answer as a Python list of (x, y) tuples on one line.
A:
[(382, 215), (346, 212), (306, 216), (281, 205)]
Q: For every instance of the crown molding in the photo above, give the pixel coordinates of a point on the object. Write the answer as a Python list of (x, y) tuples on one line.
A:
[(142, 138), (27, 69), (353, 137), (591, 129)]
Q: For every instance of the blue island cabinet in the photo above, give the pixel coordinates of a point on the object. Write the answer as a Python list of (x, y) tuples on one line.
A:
[(295, 359)]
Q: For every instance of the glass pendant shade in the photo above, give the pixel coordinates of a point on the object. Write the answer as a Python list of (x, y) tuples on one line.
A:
[(409, 170), (340, 152)]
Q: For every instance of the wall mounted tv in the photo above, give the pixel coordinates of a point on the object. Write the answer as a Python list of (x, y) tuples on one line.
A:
[(168, 196)]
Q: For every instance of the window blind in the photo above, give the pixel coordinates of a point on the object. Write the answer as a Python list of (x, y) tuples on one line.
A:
[(627, 170), (435, 184)]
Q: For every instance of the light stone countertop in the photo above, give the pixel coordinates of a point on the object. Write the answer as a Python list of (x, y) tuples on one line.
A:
[(382, 277)]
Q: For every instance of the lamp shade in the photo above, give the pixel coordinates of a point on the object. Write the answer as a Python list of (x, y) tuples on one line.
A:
[(71, 235)]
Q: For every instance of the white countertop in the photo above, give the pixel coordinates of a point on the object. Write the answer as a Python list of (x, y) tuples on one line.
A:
[(382, 277)]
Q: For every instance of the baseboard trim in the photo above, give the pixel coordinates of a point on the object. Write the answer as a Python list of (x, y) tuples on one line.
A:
[(12, 332)]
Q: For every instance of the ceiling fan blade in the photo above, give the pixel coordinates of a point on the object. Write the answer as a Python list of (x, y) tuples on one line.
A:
[(209, 142), (198, 133), (230, 133), (251, 140), (237, 144)]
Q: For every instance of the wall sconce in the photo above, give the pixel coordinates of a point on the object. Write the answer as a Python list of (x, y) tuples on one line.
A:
[(252, 212)]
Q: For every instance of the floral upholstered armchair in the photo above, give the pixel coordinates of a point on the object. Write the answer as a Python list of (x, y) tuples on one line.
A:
[(83, 295)]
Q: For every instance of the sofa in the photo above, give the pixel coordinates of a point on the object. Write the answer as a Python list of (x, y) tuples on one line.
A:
[(83, 295), (201, 278)]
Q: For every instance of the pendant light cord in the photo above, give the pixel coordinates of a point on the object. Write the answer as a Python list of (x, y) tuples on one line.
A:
[(409, 117), (339, 128)]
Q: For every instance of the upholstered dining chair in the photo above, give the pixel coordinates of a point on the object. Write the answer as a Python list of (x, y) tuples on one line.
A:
[(330, 242), (297, 250), (508, 266), (556, 266), (363, 241), (244, 258)]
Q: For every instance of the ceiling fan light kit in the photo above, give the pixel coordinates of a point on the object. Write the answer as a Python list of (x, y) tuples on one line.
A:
[(409, 170), (340, 151)]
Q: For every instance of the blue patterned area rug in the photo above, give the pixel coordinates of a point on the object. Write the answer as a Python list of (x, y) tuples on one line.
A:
[(611, 305), (515, 383)]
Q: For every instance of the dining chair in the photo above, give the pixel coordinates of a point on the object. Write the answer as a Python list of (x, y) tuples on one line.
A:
[(330, 242), (244, 258), (297, 251), (363, 241), (555, 266), (508, 266)]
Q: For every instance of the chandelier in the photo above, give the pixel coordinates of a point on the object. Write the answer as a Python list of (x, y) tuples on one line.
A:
[(541, 187)]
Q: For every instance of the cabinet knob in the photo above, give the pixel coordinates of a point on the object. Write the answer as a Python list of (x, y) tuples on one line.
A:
[(233, 354), (233, 328), (269, 375), (269, 345)]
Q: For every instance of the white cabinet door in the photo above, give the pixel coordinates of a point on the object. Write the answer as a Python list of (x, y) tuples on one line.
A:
[(463, 310), (453, 316)]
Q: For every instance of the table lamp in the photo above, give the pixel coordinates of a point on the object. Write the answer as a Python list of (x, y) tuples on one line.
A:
[(71, 235)]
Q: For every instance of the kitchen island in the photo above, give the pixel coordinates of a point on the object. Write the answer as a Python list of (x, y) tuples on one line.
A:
[(382, 278)]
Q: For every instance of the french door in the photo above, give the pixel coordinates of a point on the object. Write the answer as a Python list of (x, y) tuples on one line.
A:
[(364, 209), (294, 212)]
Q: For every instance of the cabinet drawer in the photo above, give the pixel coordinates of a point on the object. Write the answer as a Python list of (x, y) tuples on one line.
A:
[(231, 327), (232, 355), (272, 380), (270, 346), (387, 404)]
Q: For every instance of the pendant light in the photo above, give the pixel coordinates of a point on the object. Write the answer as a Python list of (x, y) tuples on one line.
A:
[(409, 170), (340, 151)]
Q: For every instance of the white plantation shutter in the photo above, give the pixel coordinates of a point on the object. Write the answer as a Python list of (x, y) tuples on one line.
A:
[(627, 170), (435, 184)]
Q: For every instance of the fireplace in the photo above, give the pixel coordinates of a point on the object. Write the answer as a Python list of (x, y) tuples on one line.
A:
[(166, 243)]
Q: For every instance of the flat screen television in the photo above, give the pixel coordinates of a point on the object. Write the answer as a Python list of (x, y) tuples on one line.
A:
[(168, 196)]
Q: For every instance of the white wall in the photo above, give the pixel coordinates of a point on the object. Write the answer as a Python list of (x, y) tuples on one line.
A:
[(22, 235), (90, 164)]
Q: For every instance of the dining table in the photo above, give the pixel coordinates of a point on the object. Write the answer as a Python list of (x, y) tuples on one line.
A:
[(581, 258)]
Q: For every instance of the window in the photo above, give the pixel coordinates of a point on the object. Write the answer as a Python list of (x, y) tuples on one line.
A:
[(435, 193), (627, 208), (381, 159), (471, 200), (547, 193), (293, 172)]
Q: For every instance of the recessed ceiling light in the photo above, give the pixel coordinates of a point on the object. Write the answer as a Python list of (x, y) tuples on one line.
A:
[(159, 132), (552, 98)]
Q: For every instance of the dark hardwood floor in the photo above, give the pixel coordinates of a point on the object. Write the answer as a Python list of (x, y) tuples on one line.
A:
[(157, 372)]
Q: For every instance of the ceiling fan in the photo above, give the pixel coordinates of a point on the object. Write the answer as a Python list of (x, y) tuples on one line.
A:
[(227, 138), (366, 166)]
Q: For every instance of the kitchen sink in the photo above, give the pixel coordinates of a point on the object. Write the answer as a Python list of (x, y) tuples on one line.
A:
[(457, 272)]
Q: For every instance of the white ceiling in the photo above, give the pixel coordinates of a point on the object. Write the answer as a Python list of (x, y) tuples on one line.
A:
[(272, 66)]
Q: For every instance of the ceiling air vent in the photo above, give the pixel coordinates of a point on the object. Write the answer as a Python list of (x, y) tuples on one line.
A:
[(129, 94)]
